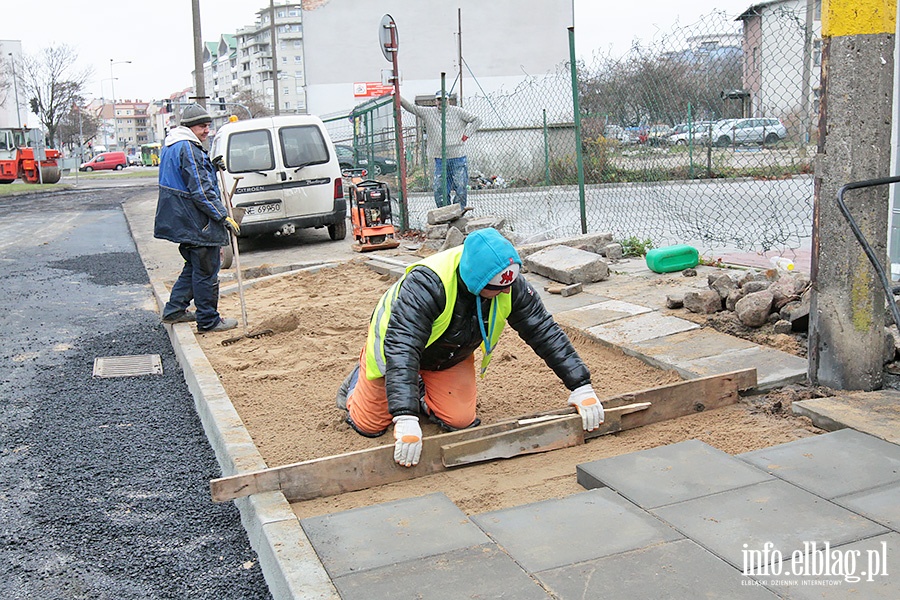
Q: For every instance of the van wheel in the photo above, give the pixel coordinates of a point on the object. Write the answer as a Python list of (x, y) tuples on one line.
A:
[(119, 167), (226, 256), (338, 231)]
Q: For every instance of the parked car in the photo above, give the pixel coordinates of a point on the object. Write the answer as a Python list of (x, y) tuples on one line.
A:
[(134, 160), (658, 134), (749, 131), (681, 134), (350, 160), (105, 160)]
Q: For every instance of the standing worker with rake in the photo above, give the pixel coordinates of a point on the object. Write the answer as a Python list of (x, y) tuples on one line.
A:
[(190, 213), (419, 354)]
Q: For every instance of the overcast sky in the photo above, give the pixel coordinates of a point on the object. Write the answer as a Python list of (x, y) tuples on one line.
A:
[(157, 37)]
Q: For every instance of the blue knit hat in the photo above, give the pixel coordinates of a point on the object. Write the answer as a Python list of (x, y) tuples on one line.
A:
[(486, 254)]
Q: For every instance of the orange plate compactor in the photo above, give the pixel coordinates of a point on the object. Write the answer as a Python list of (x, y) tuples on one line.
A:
[(370, 213)]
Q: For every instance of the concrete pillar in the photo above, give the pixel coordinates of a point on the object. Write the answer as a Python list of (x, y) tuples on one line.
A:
[(846, 342)]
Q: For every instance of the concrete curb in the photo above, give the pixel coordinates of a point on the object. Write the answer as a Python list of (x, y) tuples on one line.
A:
[(289, 563)]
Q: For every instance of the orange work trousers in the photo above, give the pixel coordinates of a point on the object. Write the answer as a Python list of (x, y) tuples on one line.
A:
[(449, 395)]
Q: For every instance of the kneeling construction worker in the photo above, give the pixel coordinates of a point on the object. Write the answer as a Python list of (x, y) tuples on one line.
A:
[(419, 354)]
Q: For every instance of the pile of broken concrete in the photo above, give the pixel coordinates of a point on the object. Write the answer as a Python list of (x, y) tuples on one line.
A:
[(756, 298)]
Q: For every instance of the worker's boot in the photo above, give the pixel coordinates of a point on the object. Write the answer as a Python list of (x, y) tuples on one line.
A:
[(347, 387)]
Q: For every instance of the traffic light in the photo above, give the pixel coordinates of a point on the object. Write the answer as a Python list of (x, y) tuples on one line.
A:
[(221, 103), (35, 108)]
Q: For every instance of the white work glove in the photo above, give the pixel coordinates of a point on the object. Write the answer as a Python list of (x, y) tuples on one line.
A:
[(408, 447), (585, 401)]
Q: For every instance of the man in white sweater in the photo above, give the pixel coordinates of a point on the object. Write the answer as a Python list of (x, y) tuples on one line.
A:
[(460, 125)]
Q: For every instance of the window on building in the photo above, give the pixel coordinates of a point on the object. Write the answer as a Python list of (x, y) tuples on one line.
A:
[(298, 58), (287, 91), (817, 53), (284, 59), (298, 43), (287, 105)]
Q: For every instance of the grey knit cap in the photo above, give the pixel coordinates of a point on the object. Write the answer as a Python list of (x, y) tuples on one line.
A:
[(194, 114)]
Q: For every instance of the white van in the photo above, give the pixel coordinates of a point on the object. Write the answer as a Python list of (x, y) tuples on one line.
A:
[(290, 175)]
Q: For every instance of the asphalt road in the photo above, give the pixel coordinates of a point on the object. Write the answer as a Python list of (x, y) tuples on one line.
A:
[(103, 481)]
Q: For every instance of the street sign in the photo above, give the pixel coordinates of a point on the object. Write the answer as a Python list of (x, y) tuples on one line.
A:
[(384, 37), (371, 89)]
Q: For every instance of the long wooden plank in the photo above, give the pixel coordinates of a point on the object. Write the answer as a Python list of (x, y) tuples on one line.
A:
[(561, 432), (375, 466), (535, 434)]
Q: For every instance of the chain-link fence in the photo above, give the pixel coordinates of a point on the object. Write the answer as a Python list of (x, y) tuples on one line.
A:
[(705, 136)]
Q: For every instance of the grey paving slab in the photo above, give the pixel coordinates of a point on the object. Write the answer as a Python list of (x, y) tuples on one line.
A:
[(881, 504), (774, 512), (639, 328), (477, 572), (832, 464), (684, 347), (580, 527), (556, 303), (601, 312), (876, 413), (872, 576), (383, 534), (668, 474), (679, 569), (774, 368)]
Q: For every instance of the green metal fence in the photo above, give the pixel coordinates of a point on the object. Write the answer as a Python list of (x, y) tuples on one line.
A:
[(706, 136)]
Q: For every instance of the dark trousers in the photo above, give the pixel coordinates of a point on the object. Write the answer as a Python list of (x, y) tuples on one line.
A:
[(198, 281)]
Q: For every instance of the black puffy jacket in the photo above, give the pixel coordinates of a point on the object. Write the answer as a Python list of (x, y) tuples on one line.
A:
[(422, 299)]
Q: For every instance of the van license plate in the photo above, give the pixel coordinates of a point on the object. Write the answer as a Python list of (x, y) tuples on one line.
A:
[(263, 209)]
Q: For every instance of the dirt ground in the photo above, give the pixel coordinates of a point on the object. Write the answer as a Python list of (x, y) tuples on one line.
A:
[(283, 386)]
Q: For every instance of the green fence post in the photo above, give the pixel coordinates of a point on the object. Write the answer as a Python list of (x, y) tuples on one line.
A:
[(546, 151), (690, 125), (579, 159), (443, 140)]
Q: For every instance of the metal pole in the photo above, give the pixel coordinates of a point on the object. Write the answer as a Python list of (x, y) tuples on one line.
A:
[(80, 142), (546, 152), (579, 159), (444, 192), (112, 83), (272, 42), (12, 60), (459, 26), (398, 125)]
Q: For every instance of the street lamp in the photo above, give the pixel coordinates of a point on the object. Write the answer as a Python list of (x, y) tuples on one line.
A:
[(12, 60), (102, 108), (112, 83)]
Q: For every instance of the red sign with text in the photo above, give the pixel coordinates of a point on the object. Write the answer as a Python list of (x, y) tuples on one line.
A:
[(371, 89)]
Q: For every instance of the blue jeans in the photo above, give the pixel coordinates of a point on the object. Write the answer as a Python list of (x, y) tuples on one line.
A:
[(198, 281), (457, 181)]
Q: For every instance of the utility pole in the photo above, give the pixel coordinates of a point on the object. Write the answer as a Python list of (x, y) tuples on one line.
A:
[(459, 40), (273, 43), (199, 76), (846, 316)]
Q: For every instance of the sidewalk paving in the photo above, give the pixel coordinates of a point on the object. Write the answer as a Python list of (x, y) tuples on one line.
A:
[(667, 522)]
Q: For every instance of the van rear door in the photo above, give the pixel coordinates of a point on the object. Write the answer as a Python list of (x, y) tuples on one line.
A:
[(251, 155), (308, 185)]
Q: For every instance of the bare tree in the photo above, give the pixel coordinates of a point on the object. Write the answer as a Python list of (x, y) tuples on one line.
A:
[(79, 124), (6, 81), (51, 83), (254, 103)]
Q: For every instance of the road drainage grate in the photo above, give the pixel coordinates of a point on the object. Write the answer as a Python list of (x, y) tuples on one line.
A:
[(127, 366)]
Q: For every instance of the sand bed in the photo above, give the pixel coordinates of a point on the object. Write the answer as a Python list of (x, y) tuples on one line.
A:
[(283, 386)]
